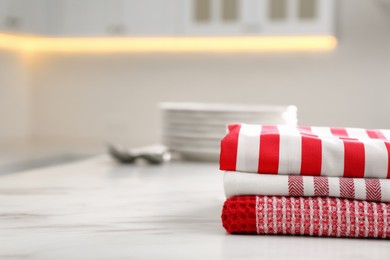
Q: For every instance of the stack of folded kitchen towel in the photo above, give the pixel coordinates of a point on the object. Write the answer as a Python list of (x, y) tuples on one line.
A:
[(316, 181)]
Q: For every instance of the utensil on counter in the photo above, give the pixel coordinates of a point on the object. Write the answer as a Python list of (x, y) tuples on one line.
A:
[(151, 154)]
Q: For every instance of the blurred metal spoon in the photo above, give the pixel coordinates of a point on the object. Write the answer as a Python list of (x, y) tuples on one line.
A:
[(151, 154)]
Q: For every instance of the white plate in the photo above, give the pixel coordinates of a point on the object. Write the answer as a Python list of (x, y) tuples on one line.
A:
[(194, 130), (256, 119), (214, 107)]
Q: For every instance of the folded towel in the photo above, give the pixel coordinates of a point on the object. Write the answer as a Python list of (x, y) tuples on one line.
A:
[(239, 183), (314, 216), (315, 151)]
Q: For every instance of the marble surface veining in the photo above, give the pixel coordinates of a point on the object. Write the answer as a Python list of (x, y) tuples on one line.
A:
[(97, 209)]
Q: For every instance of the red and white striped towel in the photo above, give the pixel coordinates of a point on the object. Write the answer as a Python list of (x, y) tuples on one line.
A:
[(313, 216), (240, 183), (315, 151)]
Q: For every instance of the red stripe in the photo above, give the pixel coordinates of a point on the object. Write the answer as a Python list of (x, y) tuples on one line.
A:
[(306, 130), (375, 134), (269, 150), (229, 145), (373, 190), (295, 185), (311, 153), (321, 186), (387, 144), (339, 132), (354, 159)]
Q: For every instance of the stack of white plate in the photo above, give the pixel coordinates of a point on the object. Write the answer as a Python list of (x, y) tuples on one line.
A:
[(194, 130)]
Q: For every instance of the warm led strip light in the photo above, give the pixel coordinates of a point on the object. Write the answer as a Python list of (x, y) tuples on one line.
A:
[(170, 44)]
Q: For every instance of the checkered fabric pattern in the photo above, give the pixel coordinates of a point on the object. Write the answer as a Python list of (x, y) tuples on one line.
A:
[(313, 216)]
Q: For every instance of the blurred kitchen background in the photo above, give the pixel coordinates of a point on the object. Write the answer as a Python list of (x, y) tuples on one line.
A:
[(75, 74)]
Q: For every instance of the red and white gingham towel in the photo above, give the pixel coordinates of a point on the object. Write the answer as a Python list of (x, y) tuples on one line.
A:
[(240, 183), (315, 151), (306, 216)]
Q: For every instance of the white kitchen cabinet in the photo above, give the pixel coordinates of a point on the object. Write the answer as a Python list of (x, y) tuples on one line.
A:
[(215, 17), (3, 14), (151, 17), (259, 17), (86, 17), (296, 16), (21, 16), (13, 16), (114, 17), (37, 20)]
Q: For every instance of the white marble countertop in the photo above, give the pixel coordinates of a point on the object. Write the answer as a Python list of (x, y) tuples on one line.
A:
[(97, 209)]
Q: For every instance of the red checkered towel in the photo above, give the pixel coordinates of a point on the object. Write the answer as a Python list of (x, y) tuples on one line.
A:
[(240, 183), (314, 216), (315, 151)]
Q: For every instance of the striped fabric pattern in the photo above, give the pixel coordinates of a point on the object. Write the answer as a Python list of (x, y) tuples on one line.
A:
[(314, 216), (239, 184), (307, 151)]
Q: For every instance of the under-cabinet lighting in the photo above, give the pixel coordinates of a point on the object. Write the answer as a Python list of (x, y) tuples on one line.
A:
[(169, 44)]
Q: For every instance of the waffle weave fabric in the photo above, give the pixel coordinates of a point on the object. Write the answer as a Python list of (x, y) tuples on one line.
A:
[(241, 183), (313, 216), (310, 151)]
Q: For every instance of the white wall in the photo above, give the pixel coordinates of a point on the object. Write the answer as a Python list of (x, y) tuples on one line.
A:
[(116, 96), (14, 98)]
